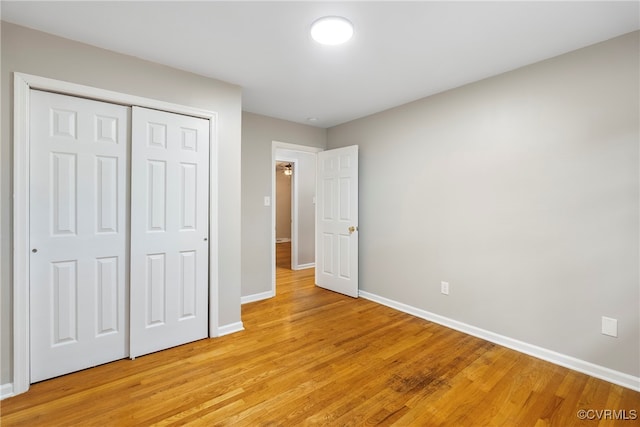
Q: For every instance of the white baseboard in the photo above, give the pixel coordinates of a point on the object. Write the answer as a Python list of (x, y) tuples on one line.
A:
[(230, 329), (303, 266), (597, 371), (256, 297), (282, 239), (6, 390)]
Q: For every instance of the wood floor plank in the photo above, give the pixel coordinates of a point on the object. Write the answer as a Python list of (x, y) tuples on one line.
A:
[(313, 357)]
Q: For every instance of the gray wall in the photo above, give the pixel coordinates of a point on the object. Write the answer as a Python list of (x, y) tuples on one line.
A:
[(32, 52), (258, 133), (521, 191)]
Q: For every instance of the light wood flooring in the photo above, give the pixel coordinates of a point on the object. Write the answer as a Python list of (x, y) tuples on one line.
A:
[(313, 357)]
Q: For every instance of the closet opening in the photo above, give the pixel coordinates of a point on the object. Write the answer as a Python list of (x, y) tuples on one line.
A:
[(84, 189)]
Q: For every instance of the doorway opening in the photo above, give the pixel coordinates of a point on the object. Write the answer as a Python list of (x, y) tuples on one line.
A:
[(301, 247), (284, 195)]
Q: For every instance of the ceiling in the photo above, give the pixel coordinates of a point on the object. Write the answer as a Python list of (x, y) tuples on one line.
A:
[(401, 51)]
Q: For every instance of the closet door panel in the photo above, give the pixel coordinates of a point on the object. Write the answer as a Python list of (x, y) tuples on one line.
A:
[(78, 233), (169, 229)]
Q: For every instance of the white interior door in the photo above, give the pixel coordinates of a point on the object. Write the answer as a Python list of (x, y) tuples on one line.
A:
[(337, 220), (169, 230), (78, 233)]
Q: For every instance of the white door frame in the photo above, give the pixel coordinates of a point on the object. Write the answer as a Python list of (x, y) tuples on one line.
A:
[(275, 147), (22, 84)]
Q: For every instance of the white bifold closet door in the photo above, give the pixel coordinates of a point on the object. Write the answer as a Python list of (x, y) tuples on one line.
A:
[(78, 233), (110, 278), (169, 230)]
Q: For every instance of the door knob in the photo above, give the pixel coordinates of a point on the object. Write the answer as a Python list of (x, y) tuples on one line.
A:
[(352, 229), (34, 250)]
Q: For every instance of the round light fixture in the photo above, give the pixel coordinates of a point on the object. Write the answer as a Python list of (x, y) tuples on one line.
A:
[(332, 30)]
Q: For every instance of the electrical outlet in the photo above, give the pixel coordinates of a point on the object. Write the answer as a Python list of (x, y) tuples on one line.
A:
[(444, 288), (267, 201), (609, 326)]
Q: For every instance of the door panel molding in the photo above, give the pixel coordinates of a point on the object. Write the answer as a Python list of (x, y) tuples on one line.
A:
[(22, 84)]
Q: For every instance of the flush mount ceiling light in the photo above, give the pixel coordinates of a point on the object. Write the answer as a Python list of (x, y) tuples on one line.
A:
[(332, 30)]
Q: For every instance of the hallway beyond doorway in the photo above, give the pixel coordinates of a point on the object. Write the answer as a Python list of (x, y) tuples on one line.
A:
[(283, 256)]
